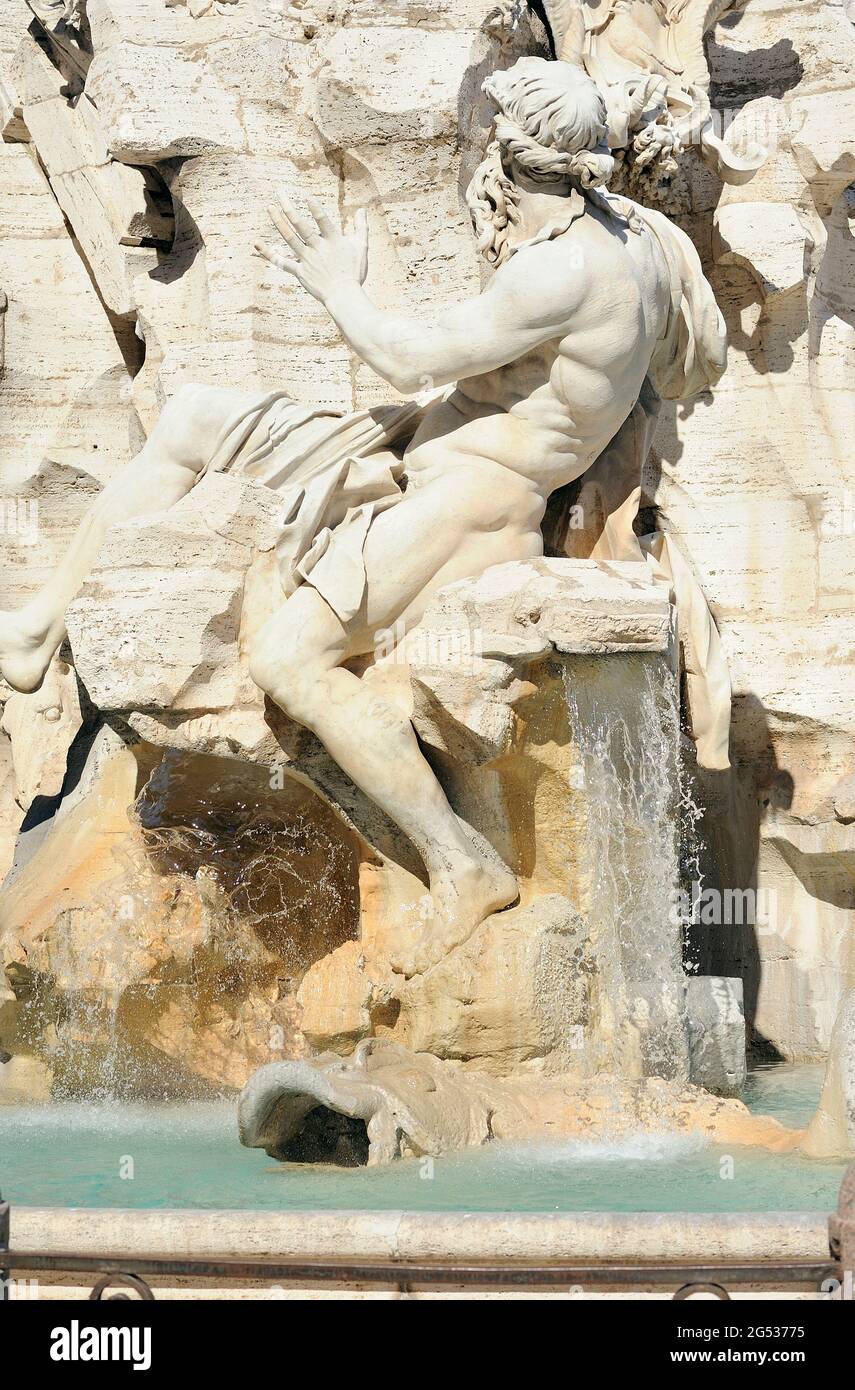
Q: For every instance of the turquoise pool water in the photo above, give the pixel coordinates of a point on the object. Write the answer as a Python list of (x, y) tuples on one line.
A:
[(188, 1155)]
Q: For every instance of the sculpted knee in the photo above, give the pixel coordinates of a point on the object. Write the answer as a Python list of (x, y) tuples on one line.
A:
[(262, 668), (296, 687), (189, 425), (188, 402)]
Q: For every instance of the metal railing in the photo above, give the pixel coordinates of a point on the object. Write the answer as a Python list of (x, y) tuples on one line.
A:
[(686, 1278)]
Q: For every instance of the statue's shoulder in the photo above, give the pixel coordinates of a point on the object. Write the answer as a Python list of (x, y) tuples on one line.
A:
[(554, 227), (574, 242)]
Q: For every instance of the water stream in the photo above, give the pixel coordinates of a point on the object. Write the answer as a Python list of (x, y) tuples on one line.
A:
[(624, 720)]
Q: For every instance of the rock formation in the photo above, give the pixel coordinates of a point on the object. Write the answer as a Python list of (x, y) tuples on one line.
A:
[(384, 1102)]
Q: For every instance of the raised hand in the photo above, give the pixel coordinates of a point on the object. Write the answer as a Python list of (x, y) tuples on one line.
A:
[(320, 256)]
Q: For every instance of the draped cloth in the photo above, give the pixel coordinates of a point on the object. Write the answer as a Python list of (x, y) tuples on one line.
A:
[(690, 358), (692, 354), (334, 473)]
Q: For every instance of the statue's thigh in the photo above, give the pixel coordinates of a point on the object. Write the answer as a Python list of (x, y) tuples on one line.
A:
[(448, 530), (192, 422)]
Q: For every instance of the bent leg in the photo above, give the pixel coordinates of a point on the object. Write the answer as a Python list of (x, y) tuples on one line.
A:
[(426, 539), (161, 474), (296, 662)]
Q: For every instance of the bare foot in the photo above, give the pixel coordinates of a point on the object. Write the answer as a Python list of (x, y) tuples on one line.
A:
[(26, 651), (474, 890)]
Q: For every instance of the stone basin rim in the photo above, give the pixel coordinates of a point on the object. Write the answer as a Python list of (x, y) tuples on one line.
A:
[(668, 1236)]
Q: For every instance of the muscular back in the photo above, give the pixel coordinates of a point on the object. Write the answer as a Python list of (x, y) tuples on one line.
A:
[(598, 298)]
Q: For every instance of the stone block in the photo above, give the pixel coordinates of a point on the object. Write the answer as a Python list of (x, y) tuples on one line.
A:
[(716, 1021)]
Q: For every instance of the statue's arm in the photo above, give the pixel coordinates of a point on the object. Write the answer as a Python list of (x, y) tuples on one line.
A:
[(529, 302), (468, 339)]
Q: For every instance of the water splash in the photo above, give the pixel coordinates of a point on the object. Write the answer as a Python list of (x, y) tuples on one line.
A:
[(208, 914), (691, 871), (645, 1146)]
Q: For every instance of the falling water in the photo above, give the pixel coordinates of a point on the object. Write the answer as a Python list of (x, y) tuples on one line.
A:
[(206, 907), (624, 718)]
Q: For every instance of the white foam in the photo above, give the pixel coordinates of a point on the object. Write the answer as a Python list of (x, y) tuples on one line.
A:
[(640, 1147)]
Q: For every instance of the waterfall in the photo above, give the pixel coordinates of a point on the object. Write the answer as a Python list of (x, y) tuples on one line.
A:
[(624, 721)]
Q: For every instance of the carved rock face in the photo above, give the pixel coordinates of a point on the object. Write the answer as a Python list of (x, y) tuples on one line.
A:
[(385, 1102), (41, 728)]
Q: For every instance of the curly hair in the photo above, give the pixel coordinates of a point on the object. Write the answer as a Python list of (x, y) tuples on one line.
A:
[(552, 123)]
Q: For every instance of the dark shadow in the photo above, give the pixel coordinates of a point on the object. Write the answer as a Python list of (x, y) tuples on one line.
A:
[(735, 804), (762, 72), (768, 347), (37, 822), (537, 8), (68, 50), (175, 261), (43, 808), (327, 1137)]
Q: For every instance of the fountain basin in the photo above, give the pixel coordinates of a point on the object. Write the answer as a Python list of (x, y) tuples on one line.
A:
[(184, 1155)]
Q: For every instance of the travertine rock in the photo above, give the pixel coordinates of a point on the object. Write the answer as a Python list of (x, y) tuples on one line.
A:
[(41, 729), (520, 994), (831, 1132), (158, 104), (10, 811), (108, 205), (174, 586), (343, 997), (24, 1080)]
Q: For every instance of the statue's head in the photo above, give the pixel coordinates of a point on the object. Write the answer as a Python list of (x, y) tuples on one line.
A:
[(550, 130), (551, 121)]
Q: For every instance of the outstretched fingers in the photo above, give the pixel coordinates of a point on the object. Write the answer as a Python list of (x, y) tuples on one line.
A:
[(326, 226), (276, 256), (315, 251), (286, 231), (303, 226)]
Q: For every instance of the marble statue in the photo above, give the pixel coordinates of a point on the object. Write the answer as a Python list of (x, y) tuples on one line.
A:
[(594, 299), (648, 58)]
